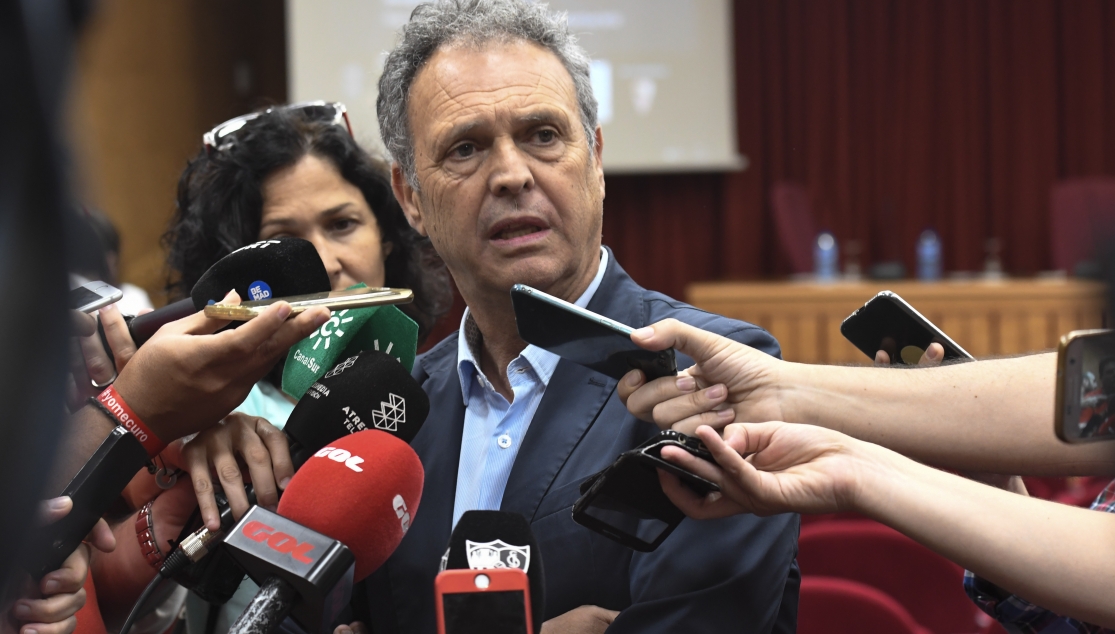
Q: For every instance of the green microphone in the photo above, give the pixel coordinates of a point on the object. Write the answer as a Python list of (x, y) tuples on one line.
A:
[(346, 334)]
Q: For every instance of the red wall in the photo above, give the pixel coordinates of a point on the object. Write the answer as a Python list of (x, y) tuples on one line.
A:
[(897, 115)]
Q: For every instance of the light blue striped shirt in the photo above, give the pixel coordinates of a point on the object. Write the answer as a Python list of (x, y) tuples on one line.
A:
[(494, 429)]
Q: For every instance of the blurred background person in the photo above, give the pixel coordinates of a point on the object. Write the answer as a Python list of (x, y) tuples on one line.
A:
[(95, 256)]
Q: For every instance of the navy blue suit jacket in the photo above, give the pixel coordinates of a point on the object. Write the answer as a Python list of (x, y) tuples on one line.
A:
[(735, 574)]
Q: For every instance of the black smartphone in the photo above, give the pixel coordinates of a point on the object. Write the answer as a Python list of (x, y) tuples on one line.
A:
[(1085, 410), (625, 502), (582, 336), (887, 322), (92, 490)]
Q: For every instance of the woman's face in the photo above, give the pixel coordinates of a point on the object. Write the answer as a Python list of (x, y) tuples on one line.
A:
[(312, 201)]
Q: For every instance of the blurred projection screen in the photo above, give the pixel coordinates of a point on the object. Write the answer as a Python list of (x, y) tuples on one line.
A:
[(662, 73)]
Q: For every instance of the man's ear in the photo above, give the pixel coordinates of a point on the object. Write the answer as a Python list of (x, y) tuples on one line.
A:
[(408, 199), (598, 155)]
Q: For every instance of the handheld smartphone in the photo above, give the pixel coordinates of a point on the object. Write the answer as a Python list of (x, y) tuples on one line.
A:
[(583, 337), (493, 601), (93, 295), (92, 490), (887, 322), (625, 502), (1085, 410), (333, 300)]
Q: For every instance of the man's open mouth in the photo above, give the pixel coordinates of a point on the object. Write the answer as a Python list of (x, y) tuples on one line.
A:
[(513, 228), (516, 232)]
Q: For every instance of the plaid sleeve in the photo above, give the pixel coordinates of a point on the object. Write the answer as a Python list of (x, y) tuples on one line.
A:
[(1018, 615)]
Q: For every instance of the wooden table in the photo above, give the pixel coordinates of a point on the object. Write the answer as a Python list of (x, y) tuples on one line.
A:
[(986, 318)]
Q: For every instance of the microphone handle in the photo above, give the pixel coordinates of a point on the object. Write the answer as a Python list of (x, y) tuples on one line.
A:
[(267, 609), (144, 326)]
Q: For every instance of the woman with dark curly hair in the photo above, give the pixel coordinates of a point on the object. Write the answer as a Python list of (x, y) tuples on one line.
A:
[(297, 171), (287, 171)]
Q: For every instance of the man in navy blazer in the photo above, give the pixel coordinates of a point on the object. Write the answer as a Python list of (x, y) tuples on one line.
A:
[(487, 110)]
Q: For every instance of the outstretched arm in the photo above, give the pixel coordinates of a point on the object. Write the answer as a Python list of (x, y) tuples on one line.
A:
[(1052, 555), (992, 416)]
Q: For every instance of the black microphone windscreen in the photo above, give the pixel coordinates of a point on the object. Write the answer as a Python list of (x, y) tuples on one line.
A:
[(499, 539), (264, 270), (371, 390)]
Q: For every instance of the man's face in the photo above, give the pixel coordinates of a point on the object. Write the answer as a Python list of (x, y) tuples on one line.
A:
[(509, 190)]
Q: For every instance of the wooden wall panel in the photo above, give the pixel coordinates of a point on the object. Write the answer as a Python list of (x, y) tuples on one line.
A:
[(151, 78)]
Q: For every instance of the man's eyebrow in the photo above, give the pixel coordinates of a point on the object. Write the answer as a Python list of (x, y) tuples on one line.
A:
[(546, 115), (460, 130)]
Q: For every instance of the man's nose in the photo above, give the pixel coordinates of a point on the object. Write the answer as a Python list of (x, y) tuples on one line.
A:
[(510, 173)]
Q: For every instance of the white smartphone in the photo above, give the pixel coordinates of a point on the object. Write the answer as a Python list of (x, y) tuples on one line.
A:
[(333, 300), (93, 295)]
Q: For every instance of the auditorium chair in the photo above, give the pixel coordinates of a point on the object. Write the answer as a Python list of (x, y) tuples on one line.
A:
[(830, 605), (926, 584), (793, 221), (1081, 209), (1076, 491)]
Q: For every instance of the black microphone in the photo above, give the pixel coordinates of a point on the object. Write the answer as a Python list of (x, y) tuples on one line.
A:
[(499, 539), (370, 390), (263, 270)]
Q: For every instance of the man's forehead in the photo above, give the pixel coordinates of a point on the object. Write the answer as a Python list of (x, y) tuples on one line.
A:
[(511, 75)]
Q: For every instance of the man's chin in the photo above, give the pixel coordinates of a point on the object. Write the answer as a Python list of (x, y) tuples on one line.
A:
[(537, 271)]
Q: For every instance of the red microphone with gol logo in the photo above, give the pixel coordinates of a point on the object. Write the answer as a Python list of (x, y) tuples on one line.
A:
[(342, 515)]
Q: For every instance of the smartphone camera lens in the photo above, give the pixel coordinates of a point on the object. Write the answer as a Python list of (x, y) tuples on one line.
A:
[(482, 581)]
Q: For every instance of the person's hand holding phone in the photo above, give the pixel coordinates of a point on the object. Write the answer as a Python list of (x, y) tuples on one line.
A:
[(188, 376), (729, 381), (49, 607), (932, 357), (91, 368)]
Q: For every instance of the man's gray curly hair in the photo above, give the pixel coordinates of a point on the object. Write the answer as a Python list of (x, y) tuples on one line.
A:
[(434, 25)]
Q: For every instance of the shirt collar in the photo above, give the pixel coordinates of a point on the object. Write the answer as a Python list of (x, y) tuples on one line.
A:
[(543, 363)]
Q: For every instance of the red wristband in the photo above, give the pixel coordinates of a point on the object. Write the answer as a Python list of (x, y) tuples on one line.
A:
[(145, 533), (112, 403)]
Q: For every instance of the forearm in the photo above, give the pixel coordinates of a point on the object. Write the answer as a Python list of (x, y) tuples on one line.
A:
[(1055, 556), (123, 574), (994, 416), (87, 429)]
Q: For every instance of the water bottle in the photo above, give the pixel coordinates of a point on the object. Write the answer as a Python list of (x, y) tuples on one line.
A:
[(826, 257), (929, 256)]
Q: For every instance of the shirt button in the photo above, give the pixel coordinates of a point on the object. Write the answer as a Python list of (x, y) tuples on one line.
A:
[(521, 370), (504, 441)]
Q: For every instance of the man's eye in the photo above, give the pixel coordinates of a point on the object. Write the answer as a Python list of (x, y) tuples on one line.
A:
[(546, 136), (463, 150)]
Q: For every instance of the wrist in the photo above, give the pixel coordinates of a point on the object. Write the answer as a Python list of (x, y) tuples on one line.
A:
[(878, 475), (145, 535), (788, 396), (112, 403)]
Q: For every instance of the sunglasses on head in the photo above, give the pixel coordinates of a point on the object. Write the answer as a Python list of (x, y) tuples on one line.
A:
[(223, 136)]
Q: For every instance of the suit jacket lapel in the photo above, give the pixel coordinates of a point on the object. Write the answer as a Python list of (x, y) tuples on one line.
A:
[(572, 403), (438, 444), (557, 428)]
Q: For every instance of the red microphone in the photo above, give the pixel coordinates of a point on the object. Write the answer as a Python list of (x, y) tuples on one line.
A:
[(362, 490), (342, 515)]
